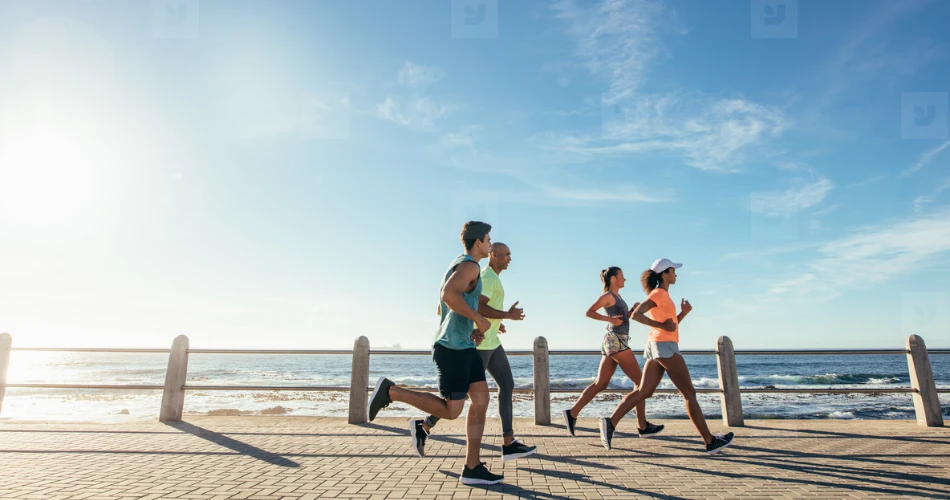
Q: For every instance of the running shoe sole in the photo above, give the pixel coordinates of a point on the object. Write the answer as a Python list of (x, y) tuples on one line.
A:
[(516, 456), (412, 434), (603, 433), (723, 447), (372, 396), (474, 480), (648, 436), (567, 422)]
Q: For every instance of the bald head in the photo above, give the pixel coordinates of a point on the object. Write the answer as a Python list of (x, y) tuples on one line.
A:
[(500, 257)]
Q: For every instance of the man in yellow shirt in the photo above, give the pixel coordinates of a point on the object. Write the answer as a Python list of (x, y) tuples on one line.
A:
[(491, 306)]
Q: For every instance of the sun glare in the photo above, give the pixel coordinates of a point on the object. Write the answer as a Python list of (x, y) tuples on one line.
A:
[(45, 177)]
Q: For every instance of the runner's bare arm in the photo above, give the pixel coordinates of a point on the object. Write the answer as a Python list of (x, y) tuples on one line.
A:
[(639, 314), (605, 300), (488, 311), (452, 293), (685, 308)]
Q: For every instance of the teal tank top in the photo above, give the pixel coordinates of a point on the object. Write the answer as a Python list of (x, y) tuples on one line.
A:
[(455, 330)]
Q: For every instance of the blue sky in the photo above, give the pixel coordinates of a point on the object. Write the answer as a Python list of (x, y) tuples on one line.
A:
[(295, 174)]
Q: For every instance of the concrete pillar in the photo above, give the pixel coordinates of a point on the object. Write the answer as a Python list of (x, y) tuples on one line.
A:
[(926, 402), (5, 341), (359, 381), (542, 383), (173, 399), (729, 383)]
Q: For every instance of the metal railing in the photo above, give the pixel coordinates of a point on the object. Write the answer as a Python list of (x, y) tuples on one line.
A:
[(923, 389)]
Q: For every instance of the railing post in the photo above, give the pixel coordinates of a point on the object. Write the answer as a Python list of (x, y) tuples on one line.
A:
[(359, 381), (542, 383), (729, 383), (5, 341), (926, 402), (173, 398)]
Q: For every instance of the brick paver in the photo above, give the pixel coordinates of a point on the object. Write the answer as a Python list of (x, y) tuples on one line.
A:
[(310, 457)]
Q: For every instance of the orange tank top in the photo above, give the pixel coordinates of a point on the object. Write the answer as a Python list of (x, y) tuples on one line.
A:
[(665, 309)]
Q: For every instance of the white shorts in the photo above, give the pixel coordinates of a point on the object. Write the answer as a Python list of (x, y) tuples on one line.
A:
[(655, 350)]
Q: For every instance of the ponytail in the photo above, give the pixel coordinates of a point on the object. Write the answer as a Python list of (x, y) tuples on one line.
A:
[(606, 274), (650, 280)]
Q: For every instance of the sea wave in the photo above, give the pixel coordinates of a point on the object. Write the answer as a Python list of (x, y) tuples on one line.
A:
[(843, 415), (825, 379)]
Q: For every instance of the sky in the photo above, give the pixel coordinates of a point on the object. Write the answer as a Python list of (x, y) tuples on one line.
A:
[(276, 174)]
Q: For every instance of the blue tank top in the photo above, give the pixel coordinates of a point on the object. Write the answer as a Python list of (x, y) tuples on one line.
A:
[(619, 308), (455, 330)]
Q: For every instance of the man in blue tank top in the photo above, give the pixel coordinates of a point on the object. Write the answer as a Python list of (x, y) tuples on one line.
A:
[(490, 305), (460, 368)]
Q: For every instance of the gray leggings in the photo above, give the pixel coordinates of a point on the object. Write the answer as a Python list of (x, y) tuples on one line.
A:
[(496, 362)]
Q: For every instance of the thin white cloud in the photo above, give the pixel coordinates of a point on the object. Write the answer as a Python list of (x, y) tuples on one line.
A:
[(420, 114), (889, 251), (622, 193), (712, 134), (870, 256), (462, 139), (768, 253), (921, 202), (792, 200), (409, 108), (869, 180), (618, 40), (926, 158), (418, 76), (807, 287)]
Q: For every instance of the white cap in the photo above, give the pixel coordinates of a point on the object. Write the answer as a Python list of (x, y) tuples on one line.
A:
[(663, 264)]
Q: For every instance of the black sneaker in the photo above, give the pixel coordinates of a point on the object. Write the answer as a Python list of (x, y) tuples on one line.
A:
[(606, 431), (719, 443), (479, 475), (516, 450), (419, 435), (650, 431), (569, 421), (380, 398)]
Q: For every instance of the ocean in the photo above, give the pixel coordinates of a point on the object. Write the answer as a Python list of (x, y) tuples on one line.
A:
[(569, 372)]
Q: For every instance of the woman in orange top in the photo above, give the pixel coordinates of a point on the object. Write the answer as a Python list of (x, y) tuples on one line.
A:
[(663, 355), (616, 351)]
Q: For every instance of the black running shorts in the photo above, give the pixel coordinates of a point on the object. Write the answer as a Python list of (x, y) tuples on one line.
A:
[(458, 369)]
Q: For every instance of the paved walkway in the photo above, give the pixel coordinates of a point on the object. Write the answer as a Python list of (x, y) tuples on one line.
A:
[(304, 457)]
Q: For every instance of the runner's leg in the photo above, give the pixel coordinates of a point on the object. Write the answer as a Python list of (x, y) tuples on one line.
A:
[(628, 363), (498, 367), (607, 368), (652, 374), (679, 374)]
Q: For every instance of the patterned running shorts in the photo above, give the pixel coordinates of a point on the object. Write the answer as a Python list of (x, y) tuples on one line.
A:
[(614, 343)]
